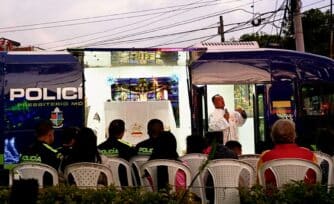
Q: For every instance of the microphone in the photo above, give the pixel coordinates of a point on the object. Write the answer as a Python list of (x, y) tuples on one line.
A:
[(226, 111)]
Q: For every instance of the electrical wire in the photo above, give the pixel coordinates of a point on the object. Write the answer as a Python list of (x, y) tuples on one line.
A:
[(103, 16), (212, 36), (130, 29), (90, 22), (127, 25), (156, 29)]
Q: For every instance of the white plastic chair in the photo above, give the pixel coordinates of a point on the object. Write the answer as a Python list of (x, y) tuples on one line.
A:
[(251, 159), (114, 164), (195, 161), (325, 157), (33, 170), (226, 177), (287, 169), (87, 174), (135, 163), (150, 168)]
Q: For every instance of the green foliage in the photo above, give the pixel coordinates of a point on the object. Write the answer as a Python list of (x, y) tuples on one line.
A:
[(4, 195), (292, 193), (65, 194), (263, 39), (71, 194), (316, 30)]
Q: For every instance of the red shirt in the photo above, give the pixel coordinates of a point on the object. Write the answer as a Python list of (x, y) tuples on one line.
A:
[(287, 151)]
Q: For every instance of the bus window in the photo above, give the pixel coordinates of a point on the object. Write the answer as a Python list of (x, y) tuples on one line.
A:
[(317, 113), (317, 100)]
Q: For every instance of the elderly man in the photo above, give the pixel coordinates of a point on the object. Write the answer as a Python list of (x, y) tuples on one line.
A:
[(283, 135), (221, 120)]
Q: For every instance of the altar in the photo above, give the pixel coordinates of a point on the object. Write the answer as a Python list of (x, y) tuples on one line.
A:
[(136, 115)]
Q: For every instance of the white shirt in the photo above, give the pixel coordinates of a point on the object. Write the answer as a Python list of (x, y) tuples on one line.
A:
[(217, 122), (235, 121)]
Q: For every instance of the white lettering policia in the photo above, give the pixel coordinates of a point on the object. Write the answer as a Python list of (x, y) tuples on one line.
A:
[(36, 94)]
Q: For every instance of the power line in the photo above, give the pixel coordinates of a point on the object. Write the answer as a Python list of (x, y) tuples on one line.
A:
[(212, 36), (95, 21), (192, 39), (103, 16), (177, 33), (157, 36), (155, 29), (119, 27)]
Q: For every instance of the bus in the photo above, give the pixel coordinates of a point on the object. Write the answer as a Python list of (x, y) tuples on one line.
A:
[(269, 84)]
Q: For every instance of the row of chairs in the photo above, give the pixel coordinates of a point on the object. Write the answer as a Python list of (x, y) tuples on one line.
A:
[(226, 173)]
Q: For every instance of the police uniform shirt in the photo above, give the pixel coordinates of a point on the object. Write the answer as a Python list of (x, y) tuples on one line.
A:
[(42, 152), (145, 147), (114, 148)]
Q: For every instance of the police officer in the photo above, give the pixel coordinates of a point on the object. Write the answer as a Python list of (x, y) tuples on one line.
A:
[(112, 147), (154, 128), (41, 150)]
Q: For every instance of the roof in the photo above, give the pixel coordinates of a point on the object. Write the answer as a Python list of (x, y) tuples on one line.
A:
[(12, 41), (260, 66)]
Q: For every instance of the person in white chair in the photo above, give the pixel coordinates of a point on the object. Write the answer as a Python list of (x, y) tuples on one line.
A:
[(283, 135)]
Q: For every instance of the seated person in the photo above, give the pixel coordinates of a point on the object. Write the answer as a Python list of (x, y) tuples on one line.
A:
[(235, 146), (154, 128), (215, 150), (165, 148), (283, 135), (215, 147), (195, 144), (41, 150), (85, 150), (69, 136), (112, 147), (85, 147)]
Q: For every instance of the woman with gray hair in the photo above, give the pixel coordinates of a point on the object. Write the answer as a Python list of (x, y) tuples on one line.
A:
[(283, 135)]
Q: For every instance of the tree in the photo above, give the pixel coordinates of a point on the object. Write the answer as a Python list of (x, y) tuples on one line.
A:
[(315, 28), (316, 31)]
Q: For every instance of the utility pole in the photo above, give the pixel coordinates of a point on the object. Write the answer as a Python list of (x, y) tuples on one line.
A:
[(221, 29), (331, 31), (298, 27)]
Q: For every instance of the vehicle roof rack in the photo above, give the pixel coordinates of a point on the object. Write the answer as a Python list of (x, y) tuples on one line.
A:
[(233, 45)]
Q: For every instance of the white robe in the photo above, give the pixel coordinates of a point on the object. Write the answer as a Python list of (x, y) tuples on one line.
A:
[(217, 122)]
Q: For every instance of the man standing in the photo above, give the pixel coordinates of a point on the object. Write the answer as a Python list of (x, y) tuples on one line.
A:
[(227, 122), (218, 119)]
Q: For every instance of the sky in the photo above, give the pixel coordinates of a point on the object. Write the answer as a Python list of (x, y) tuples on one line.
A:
[(61, 24)]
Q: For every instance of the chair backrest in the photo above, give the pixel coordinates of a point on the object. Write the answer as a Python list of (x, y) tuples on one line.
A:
[(135, 163), (321, 157), (226, 177), (150, 168), (288, 169), (114, 164), (33, 170), (251, 159), (87, 174), (195, 161)]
